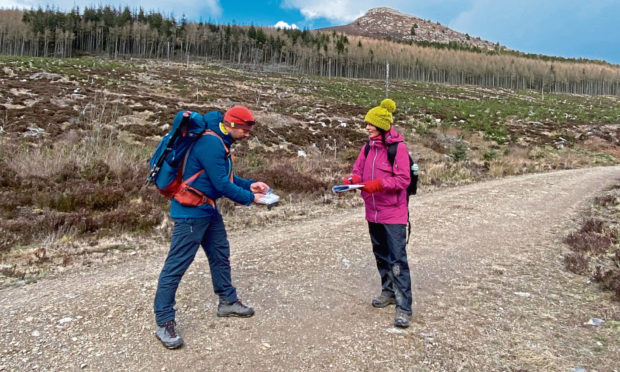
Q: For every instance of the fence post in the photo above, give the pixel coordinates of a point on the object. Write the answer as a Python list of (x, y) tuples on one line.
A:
[(387, 80)]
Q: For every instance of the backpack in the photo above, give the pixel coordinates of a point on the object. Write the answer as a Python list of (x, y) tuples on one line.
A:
[(167, 164), (412, 189)]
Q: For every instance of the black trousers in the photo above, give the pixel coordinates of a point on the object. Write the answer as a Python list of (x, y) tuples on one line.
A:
[(389, 246)]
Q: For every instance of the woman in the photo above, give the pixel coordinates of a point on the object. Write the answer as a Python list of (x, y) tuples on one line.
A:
[(385, 197)]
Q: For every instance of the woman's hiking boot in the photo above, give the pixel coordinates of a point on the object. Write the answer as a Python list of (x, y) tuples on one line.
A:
[(167, 334), (383, 301), (234, 309), (402, 320)]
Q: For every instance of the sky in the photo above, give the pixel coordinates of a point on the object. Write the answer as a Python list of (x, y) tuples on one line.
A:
[(565, 28)]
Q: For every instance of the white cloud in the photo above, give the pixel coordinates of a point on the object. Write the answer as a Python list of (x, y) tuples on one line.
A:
[(284, 25), (16, 4), (333, 10)]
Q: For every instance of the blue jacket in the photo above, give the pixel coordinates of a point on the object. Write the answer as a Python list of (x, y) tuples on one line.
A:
[(209, 154)]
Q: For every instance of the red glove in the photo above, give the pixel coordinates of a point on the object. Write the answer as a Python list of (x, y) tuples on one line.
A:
[(373, 186), (354, 178)]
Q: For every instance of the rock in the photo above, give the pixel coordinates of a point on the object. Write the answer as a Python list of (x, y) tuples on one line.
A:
[(523, 294), (594, 322)]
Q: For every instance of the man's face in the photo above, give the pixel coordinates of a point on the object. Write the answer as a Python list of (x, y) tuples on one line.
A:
[(239, 133)]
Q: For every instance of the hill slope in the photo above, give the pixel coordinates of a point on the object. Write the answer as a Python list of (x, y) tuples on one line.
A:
[(382, 23)]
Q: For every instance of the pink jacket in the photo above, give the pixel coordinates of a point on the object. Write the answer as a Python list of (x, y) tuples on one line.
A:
[(390, 205)]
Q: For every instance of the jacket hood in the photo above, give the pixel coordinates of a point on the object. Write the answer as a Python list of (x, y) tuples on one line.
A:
[(391, 136), (213, 120)]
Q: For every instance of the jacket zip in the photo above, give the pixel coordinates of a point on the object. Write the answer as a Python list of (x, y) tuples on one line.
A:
[(373, 177)]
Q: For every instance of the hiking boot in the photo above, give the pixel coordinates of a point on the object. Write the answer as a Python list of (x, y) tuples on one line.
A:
[(167, 334), (383, 301), (234, 309), (402, 320)]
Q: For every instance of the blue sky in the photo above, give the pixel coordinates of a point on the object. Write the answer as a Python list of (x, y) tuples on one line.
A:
[(567, 28)]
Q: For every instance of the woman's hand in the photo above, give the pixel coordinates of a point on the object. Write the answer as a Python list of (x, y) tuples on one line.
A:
[(352, 179), (373, 186)]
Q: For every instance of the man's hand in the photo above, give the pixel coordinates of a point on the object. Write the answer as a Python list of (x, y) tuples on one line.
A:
[(260, 187), (373, 186), (350, 180), (257, 197)]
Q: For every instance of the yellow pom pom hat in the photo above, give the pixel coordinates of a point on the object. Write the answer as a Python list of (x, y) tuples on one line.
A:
[(381, 116)]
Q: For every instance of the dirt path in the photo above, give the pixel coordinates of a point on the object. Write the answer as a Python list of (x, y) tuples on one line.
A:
[(490, 293)]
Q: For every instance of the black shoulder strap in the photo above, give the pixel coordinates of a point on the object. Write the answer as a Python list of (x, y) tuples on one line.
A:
[(392, 147)]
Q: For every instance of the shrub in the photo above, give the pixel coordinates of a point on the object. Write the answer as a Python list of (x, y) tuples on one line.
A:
[(609, 280), (490, 155), (8, 177), (459, 153), (593, 242), (576, 263)]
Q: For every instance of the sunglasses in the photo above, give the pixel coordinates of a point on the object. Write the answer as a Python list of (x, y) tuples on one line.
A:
[(246, 125)]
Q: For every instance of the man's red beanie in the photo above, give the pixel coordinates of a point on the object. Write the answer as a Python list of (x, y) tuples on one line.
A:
[(239, 117)]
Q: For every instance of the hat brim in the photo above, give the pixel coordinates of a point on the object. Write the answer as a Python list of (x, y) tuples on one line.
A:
[(247, 125)]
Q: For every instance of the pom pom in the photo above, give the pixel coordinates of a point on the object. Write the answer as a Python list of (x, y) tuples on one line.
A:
[(389, 105)]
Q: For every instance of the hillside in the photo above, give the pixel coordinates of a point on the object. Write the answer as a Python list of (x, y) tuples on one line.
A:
[(120, 34), (387, 23), (76, 135)]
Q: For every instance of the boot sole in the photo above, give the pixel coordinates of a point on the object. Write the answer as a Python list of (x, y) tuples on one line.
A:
[(383, 304), (233, 315), (170, 346)]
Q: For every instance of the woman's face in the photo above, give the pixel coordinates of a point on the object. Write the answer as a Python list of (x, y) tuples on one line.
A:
[(372, 131)]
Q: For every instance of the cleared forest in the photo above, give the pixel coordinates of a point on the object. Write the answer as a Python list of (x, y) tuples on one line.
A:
[(76, 135), (123, 33)]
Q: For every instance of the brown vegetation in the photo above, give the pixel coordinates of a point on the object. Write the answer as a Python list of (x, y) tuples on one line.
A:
[(76, 136), (596, 245)]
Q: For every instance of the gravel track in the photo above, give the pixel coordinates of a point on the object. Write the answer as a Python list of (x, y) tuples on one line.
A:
[(485, 261)]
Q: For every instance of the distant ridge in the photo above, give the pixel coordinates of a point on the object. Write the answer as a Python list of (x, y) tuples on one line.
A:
[(387, 23)]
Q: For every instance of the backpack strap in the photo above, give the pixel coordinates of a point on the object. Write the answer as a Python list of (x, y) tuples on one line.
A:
[(228, 154), (392, 148), (193, 177), (212, 133), (186, 184)]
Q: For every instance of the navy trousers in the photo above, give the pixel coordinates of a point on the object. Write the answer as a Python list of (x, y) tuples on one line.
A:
[(389, 246), (188, 234)]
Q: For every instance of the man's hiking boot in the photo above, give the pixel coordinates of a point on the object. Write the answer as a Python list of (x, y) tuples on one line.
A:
[(234, 309), (167, 334), (383, 301), (402, 320)]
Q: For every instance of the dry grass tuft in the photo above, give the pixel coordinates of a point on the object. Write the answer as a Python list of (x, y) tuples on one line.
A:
[(447, 174), (577, 263), (595, 246)]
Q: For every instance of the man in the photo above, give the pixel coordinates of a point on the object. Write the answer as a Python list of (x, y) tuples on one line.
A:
[(203, 224)]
